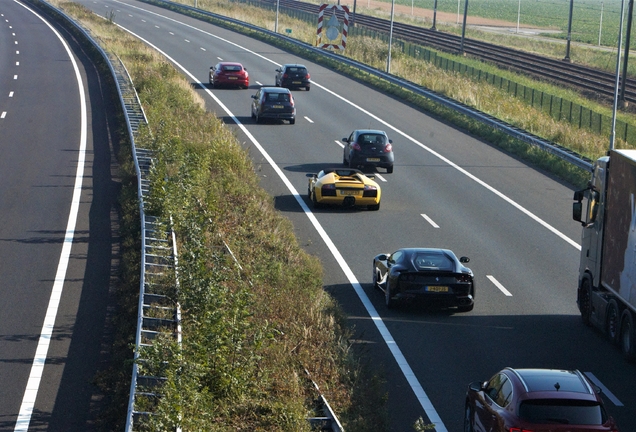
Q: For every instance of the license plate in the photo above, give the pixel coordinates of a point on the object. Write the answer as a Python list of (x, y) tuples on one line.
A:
[(232, 77), (437, 288), (373, 159), (278, 106), (296, 82), (349, 192)]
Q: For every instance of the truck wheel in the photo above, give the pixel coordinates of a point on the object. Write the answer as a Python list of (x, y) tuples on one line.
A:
[(628, 341), (613, 321), (585, 300)]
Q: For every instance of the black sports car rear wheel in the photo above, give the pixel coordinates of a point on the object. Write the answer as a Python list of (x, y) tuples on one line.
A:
[(468, 418), (465, 308), (387, 296), (374, 207)]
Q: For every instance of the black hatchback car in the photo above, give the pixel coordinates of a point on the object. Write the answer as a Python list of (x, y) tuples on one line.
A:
[(273, 103), (293, 76), (368, 147)]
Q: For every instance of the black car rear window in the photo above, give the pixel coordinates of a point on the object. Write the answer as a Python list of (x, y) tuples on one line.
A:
[(558, 411), (231, 68), (371, 139), (432, 261), (298, 70), (277, 97)]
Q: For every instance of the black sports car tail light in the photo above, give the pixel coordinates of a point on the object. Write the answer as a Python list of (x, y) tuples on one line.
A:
[(370, 191), (328, 190), (463, 278)]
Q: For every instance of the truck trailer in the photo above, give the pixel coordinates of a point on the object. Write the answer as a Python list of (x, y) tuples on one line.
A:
[(606, 294)]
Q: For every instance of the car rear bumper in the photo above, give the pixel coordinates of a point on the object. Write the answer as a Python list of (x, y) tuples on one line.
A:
[(373, 160), (439, 300), (280, 116), (349, 201), (295, 83), (236, 82)]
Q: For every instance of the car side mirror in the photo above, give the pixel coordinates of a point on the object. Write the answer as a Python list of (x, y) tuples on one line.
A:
[(476, 386), (310, 175), (464, 260), (383, 257), (345, 140), (277, 70), (390, 141), (253, 96)]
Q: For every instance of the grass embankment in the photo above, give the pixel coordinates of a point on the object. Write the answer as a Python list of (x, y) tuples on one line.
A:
[(248, 334)]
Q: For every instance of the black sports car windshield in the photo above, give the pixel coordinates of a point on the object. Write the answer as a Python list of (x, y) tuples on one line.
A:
[(432, 261)]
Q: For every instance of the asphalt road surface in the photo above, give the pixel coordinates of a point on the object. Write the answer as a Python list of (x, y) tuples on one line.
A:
[(56, 241)]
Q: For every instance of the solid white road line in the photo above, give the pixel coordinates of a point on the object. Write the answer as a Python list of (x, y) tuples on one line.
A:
[(339, 143), (35, 376), (498, 285), (308, 119), (377, 175)]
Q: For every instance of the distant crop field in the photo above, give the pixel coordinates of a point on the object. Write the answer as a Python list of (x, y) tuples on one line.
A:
[(590, 18)]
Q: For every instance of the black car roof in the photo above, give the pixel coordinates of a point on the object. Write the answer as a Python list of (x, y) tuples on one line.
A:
[(370, 131), (275, 90), (411, 251)]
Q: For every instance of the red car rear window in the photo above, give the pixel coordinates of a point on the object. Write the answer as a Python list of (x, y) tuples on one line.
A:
[(558, 411)]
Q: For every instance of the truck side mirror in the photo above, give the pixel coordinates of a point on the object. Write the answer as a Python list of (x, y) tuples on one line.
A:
[(578, 195), (577, 211)]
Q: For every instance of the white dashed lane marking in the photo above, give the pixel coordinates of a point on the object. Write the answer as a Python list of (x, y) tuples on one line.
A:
[(429, 220), (605, 390), (498, 285)]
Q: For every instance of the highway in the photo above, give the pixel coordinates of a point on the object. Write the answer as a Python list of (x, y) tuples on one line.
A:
[(448, 190), (55, 226)]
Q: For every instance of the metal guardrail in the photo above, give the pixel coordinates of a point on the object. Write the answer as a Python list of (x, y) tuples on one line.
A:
[(513, 131), (157, 313)]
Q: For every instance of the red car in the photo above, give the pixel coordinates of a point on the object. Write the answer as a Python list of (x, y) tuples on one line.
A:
[(536, 400), (229, 74)]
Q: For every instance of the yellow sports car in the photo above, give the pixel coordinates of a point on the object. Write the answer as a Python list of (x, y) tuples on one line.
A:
[(343, 186)]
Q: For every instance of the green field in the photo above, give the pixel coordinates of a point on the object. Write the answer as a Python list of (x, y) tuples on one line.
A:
[(550, 14)]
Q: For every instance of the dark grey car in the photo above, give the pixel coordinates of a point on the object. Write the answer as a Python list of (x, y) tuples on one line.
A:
[(273, 103), (293, 76), (368, 147)]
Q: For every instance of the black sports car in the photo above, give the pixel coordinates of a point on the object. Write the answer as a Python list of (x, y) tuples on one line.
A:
[(435, 275)]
